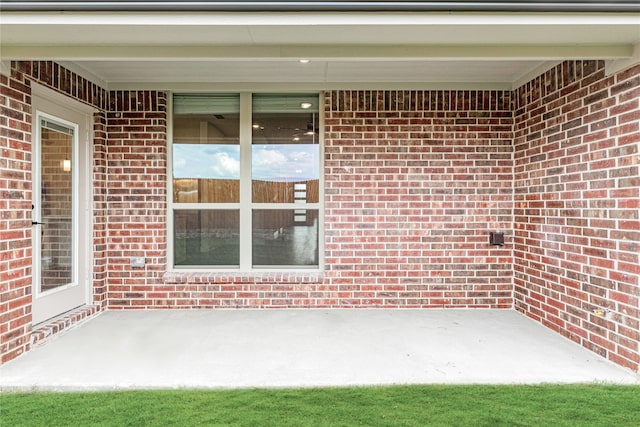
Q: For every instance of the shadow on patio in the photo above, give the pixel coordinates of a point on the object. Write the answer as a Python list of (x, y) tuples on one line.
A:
[(300, 348)]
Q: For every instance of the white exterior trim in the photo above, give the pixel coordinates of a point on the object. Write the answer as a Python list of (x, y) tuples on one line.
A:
[(315, 18), (245, 206), (613, 66)]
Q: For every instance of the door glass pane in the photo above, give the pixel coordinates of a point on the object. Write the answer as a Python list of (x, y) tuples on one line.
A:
[(285, 152), (206, 237), (285, 237), (56, 205), (206, 149)]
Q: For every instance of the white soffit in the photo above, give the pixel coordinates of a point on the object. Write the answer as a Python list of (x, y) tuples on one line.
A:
[(397, 49), (326, 73)]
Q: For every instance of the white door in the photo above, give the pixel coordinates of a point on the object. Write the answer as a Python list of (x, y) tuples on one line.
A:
[(61, 209)]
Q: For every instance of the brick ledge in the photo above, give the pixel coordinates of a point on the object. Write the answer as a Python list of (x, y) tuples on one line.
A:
[(239, 278), (64, 322)]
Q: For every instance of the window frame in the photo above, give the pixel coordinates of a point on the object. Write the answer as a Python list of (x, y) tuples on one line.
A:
[(245, 206)]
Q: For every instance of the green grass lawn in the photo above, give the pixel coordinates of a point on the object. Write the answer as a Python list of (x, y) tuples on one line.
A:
[(547, 405)]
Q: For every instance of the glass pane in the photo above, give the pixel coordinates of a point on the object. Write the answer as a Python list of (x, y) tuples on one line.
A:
[(206, 237), (285, 237), (206, 151), (56, 206), (285, 154)]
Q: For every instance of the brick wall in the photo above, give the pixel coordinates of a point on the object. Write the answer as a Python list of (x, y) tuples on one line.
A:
[(15, 215), (136, 196), (100, 219), (414, 183), (577, 201), (16, 187)]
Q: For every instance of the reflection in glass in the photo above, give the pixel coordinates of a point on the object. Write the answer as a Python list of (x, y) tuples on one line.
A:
[(206, 173), (206, 150), (285, 150), (284, 191), (206, 237), (56, 201), (285, 237)]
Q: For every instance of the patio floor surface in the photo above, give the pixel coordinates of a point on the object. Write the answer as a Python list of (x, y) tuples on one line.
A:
[(304, 348)]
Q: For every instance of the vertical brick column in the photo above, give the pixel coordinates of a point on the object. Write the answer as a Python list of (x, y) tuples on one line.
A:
[(577, 205), (136, 198), (15, 215), (100, 219), (414, 182)]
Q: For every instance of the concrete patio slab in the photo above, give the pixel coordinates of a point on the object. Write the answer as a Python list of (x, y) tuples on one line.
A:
[(302, 348)]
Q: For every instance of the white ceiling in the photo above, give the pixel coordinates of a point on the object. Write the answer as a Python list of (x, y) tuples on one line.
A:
[(355, 50), (323, 71)]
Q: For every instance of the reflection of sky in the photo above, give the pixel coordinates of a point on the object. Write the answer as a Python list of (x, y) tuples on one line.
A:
[(285, 161), (269, 162), (206, 161)]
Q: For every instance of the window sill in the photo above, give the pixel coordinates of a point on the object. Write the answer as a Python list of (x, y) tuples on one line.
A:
[(233, 277)]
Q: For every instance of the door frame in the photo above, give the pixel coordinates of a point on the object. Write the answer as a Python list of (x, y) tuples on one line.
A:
[(48, 103)]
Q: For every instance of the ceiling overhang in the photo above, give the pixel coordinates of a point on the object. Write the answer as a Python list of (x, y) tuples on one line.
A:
[(232, 50)]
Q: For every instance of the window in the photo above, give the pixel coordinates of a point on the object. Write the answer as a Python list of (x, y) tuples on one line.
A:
[(245, 181)]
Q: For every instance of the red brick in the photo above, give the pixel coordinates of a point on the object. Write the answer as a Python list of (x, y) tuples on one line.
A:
[(611, 193), (434, 172)]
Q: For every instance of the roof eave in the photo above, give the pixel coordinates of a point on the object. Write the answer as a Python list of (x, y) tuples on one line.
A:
[(620, 6)]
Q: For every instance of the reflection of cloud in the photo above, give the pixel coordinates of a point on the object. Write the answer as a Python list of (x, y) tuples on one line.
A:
[(268, 162), (206, 161), (179, 163), (268, 157), (301, 156), (224, 166), (285, 161)]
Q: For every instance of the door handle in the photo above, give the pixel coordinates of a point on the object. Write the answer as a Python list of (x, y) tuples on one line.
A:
[(36, 223)]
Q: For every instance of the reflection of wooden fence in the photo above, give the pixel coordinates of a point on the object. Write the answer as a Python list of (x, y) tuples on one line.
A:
[(284, 192), (193, 190)]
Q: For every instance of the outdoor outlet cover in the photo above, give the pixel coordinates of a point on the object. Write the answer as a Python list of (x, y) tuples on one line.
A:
[(496, 239), (137, 261)]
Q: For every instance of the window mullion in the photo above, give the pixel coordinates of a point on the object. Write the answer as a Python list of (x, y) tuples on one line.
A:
[(285, 205), (245, 182)]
